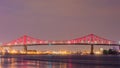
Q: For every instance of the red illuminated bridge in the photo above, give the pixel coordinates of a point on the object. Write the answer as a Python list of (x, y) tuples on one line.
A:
[(90, 39)]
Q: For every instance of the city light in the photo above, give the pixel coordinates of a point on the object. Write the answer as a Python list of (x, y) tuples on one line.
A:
[(98, 53)]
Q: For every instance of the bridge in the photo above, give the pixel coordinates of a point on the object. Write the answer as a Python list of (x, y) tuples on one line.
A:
[(90, 39)]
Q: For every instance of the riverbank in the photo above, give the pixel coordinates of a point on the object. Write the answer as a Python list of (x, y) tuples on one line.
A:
[(82, 59)]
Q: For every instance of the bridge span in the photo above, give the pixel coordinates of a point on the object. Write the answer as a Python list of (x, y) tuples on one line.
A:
[(91, 39)]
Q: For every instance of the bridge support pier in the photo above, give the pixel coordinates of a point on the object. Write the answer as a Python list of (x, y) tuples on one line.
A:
[(25, 48), (92, 49)]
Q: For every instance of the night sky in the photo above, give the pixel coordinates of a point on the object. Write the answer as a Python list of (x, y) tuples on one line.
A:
[(59, 19)]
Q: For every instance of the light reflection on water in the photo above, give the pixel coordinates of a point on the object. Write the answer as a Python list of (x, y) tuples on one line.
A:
[(19, 63)]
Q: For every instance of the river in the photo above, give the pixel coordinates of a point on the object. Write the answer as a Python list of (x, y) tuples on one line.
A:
[(20, 63)]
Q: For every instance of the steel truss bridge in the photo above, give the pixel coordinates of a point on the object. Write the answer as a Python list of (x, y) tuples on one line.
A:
[(90, 39)]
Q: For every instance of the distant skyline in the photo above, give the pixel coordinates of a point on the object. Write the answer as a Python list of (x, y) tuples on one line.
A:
[(59, 19)]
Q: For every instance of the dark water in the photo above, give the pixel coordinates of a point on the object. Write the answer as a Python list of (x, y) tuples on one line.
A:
[(20, 63)]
